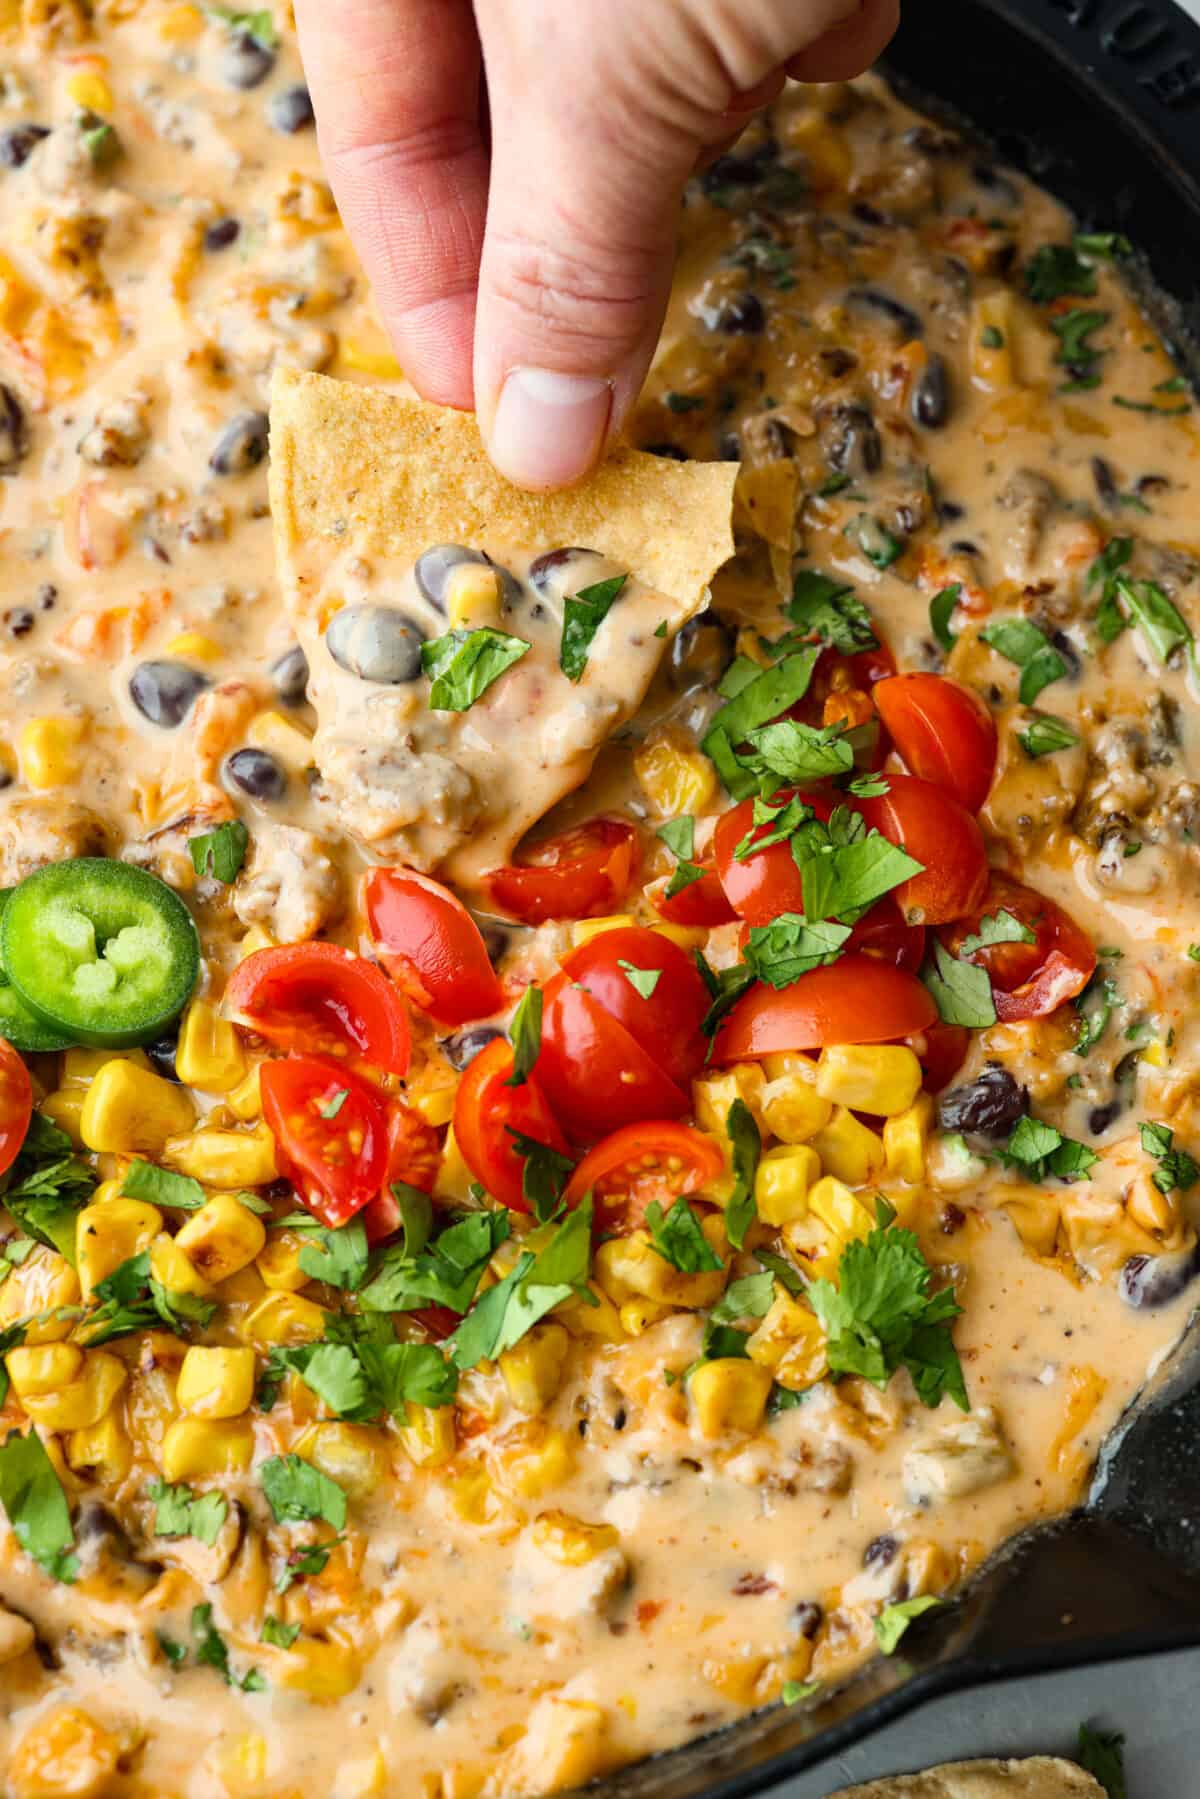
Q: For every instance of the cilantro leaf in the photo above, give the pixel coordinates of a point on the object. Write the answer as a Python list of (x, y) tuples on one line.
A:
[(583, 615), (297, 1492), (1101, 1752), (895, 1619), (278, 1634), (36, 1505), (179, 1513), (212, 1652), (998, 927), (829, 612), (766, 694), (880, 547), (843, 875), (341, 1258), (1055, 270), (304, 1562), (1045, 735), (793, 1691), (770, 824), (525, 1034), (537, 1284), (1095, 1008), (1019, 640), (746, 1146), (1037, 1149), (679, 1240), (1156, 617), (161, 1187), (220, 853), (799, 752), (727, 989), (404, 1372), (750, 1297), (47, 1187), (443, 1272), (642, 980), (679, 835), (779, 953), (463, 664), (544, 1175), (416, 1216), (941, 611), (1176, 1168), (961, 992), (258, 24)]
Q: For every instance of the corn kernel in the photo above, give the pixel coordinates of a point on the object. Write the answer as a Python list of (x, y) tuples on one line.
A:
[(782, 1182), (64, 1754), (713, 1096), (48, 751), (284, 739), (256, 938), (565, 1746), (533, 1458), (347, 1453), (676, 777), (790, 1341), (245, 1102), (180, 24), (286, 1318), (195, 1448), (729, 1394), (364, 1778), (209, 1052), (436, 1106), (904, 1140), (638, 1315), (453, 1180), (533, 1369), (110, 1233), (1157, 1053), (848, 1149), (584, 929), (570, 1541), (279, 1262), (65, 1109), (369, 361), (428, 1436), (172, 1270), (686, 937), (884, 1078), (319, 1669), (225, 1158), (83, 1401), (194, 646), (842, 1213), (80, 1066), (130, 1112), (37, 1290), (42, 1369), (243, 1765), (793, 1109), (473, 596), (583, 1320), (1037, 1221), (215, 1382), (221, 1237), (103, 1451), (631, 1268), (89, 90)]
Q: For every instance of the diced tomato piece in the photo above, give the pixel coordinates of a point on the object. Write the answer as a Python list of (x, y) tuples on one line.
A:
[(941, 1050), (486, 1113), (16, 1103), (701, 903), (766, 882), (1028, 980), (659, 1160), (941, 835), (858, 999), (321, 999), (945, 733), (583, 873), (430, 945), (331, 1134)]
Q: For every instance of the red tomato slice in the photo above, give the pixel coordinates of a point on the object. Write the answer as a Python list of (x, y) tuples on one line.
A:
[(16, 1103), (658, 1160), (942, 835), (1028, 979), (430, 945), (594, 1074), (945, 733), (700, 903), (767, 882), (487, 1110), (439, 1321), (583, 873), (414, 1151), (856, 1000), (331, 1134), (883, 932), (317, 997), (666, 1022), (941, 1051)]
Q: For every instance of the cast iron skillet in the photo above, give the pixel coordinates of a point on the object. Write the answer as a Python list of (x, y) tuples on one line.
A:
[(1099, 100)]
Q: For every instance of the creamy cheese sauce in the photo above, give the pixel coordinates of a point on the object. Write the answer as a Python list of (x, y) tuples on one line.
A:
[(524, 1599)]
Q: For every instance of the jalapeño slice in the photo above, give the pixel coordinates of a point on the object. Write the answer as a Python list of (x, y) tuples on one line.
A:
[(100, 952), (23, 1028)]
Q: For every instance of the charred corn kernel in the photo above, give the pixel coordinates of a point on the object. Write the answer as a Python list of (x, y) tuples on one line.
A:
[(180, 24), (842, 1213), (279, 1263), (81, 1066), (729, 1394), (225, 1158), (637, 1315), (43, 1368), (570, 1541), (1036, 1221), (172, 1270), (195, 1448), (256, 938), (194, 646), (584, 929), (904, 1140), (286, 1318), (37, 1291), (48, 751), (221, 1237), (474, 595), (65, 1754), (103, 1451), (884, 1078), (110, 1233), (534, 1458), (676, 777), (209, 1053), (454, 1178), (428, 1436), (347, 1453), (129, 1111), (583, 1320), (792, 1108), (533, 1369), (89, 90), (283, 738), (83, 1401), (65, 1109), (215, 1382), (713, 1096), (368, 360), (319, 1669), (790, 1335), (245, 1102), (782, 1182), (631, 1268), (436, 1106), (687, 937), (848, 1149)]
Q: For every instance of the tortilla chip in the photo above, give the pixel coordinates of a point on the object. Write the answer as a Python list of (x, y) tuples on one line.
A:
[(1040, 1777), (402, 475)]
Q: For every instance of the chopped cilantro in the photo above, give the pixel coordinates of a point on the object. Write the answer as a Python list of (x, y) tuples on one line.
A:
[(1056, 270), (278, 1634), (47, 1187), (779, 953), (1156, 617), (544, 1174), (642, 980), (678, 1238), (1045, 735), (961, 991), (179, 1513), (305, 1562), (844, 868), (537, 1284), (829, 612), (1095, 1008), (339, 1257), (463, 664), (212, 1652), (583, 615), (1101, 1752), (162, 1187), (683, 402), (1019, 640), (1176, 1168), (876, 542), (258, 24), (793, 1691), (999, 927), (1075, 351), (1037, 1149), (443, 1272), (799, 753), (767, 693), (298, 1493), (991, 337), (525, 1033), (679, 835), (941, 611), (36, 1506), (895, 1619), (745, 1148), (220, 853)]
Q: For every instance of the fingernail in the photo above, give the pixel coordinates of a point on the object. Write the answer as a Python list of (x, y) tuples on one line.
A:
[(549, 428)]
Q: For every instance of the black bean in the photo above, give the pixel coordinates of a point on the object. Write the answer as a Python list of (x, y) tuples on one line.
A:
[(165, 692), (838, 362), (46, 595), (464, 1046), (18, 143), (290, 675), (848, 439), (542, 567), (291, 109), (19, 621), (949, 511), (435, 566), (257, 773), (1101, 1117), (1149, 1281), (221, 233), (14, 431), (880, 1552), (729, 447), (734, 170), (700, 653), (963, 545), (497, 938), (867, 215), (1105, 482), (991, 1106), (673, 452), (242, 445), (1070, 655), (376, 643), (742, 316), (806, 1619), (245, 62), (931, 395), (162, 1053), (996, 184), (874, 299)]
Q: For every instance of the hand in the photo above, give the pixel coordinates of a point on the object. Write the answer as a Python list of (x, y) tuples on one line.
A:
[(529, 279)]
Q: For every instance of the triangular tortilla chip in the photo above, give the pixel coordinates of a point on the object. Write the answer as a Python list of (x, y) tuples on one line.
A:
[(1039, 1777), (362, 483)]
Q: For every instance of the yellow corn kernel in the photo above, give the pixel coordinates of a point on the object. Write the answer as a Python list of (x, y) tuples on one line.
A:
[(216, 1382), (453, 1180), (687, 937), (533, 1458), (904, 1140), (347, 1453), (172, 1270), (428, 1437), (80, 1066), (631, 1268), (221, 1237), (676, 777), (103, 1451), (533, 1369), (570, 1541), (790, 1341), (256, 938), (782, 1183), (283, 738), (584, 929), (48, 751), (180, 24), (209, 1053), (37, 1290), (1157, 1052), (65, 1754), (225, 1158), (131, 1112), (991, 340), (638, 1315), (713, 1096), (197, 1448), (83, 1401), (369, 361), (566, 1745), (194, 646), (884, 1078), (279, 1263), (848, 1149), (89, 90), (435, 1106), (583, 1320), (110, 1233), (243, 1764), (792, 1108), (317, 1668), (842, 1213), (474, 596), (1036, 1219), (65, 1109), (245, 1102), (729, 1394), (286, 1318), (42, 1369)]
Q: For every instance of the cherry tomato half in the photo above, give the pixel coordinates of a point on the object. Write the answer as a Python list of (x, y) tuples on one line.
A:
[(945, 733), (932, 826), (413, 1155), (858, 999), (1028, 979), (593, 1072), (767, 882), (430, 945), (330, 1130), (583, 873), (701, 902), (487, 1111), (16, 1103), (880, 932), (941, 1050), (653, 988), (842, 691), (658, 1160), (317, 997)]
